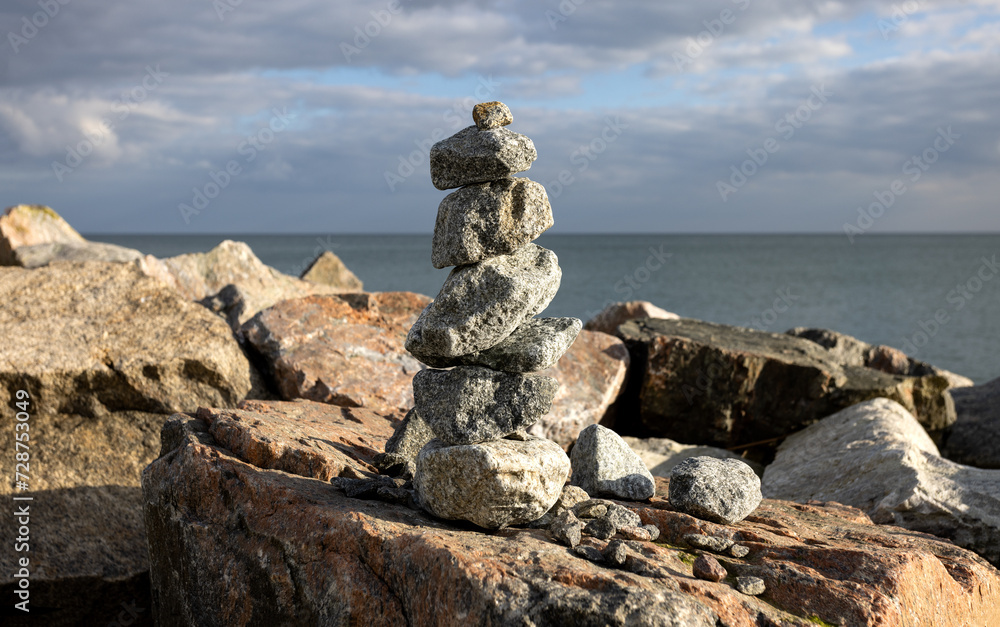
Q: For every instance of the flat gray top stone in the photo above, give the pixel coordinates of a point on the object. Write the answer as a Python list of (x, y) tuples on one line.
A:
[(476, 156)]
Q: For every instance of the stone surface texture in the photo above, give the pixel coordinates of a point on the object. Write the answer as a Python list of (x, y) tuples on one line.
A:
[(974, 439), (876, 457), (40, 255), (719, 490), (328, 269), (481, 304), (851, 351), (89, 338), (28, 225), (591, 375), (470, 404), (661, 454), (615, 314), (488, 219), (344, 350), (604, 465), (88, 544), (492, 484), (535, 345), (232, 543), (489, 115), (198, 275), (477, 156), (714, 384)]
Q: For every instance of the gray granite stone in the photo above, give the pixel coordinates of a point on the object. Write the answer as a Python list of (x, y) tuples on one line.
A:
[(471, 404), (401, 449), (718, 490), (535, 345), (481, 304), (493, 484), (750, 585), (567, 528), (476, 156), (485, 220), (707, 543), (604, 465)]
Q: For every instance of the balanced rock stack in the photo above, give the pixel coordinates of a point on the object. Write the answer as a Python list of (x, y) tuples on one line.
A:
[(482, 467)]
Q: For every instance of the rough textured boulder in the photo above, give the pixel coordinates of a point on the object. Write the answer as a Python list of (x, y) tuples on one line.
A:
[(477, 156), (345, 350), (88, 338), (198, 275), (489, 219), (43, 254), (661, 454), (88, 544), (471, 404), (614, 315), (974, 439), (492, 484), (481, 304), (28, 225), (591, 375), (535, 345), (233, 543), (706, 383), (850, 351), (328, 269), (876, 457)]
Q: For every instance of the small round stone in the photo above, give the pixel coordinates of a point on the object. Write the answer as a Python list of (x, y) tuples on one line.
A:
[(616, 552), (750, 585), (738, 550), (489, 115), (706, 542), (708, 568), (722, 491)]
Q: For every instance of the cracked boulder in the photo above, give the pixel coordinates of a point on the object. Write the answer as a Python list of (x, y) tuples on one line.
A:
[(726, 386), (231, 542), (92, 337)]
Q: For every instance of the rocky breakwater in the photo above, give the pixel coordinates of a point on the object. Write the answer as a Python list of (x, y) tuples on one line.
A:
[(481, 466)]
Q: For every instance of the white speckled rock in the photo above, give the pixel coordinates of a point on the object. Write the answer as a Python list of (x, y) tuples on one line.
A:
[(875, 456), (476, 156), (604, 465), (489, 219), (481, 304), (471, 404), (535, 345), (494, 484), (723, 491)]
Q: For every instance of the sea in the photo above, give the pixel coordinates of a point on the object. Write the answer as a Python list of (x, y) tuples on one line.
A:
[(936, 297)]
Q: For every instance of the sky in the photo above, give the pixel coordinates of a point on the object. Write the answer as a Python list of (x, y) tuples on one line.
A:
[(300, 116)]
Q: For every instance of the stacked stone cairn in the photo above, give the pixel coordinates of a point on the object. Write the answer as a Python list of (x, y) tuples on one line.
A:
[(481, 338)]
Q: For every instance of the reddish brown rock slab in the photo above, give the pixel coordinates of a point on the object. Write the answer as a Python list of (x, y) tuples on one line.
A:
[(830, 561), (231, 543), (591, 375), (344, 350), (301, 437)]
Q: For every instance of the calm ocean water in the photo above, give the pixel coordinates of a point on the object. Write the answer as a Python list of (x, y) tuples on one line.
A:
[(884, 289)]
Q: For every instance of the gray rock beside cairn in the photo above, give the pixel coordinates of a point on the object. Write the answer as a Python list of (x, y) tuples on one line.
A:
[(481, 466)]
